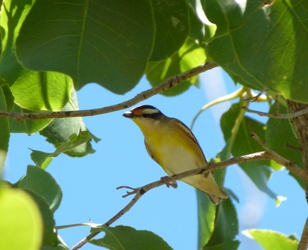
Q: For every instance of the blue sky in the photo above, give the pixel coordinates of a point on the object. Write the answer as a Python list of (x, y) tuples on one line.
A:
[(89, 183)]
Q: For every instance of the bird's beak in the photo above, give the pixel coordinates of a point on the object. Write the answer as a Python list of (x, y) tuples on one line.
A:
[(128, 114)]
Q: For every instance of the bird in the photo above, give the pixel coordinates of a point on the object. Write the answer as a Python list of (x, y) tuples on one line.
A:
[(173, 146)]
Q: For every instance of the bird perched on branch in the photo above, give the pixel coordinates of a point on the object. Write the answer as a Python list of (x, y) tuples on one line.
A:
[(174, 147)]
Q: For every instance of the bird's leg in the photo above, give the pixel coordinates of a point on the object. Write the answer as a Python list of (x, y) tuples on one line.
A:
[(169, 183)]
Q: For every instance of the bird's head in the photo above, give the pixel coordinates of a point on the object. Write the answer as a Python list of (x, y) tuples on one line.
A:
[(145, 116)]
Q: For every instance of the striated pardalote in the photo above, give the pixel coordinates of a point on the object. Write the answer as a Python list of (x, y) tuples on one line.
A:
[(174, 147)]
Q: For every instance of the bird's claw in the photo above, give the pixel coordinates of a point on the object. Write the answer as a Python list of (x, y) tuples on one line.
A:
[(169, 183)]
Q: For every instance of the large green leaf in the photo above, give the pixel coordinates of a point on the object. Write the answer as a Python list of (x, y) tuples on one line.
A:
[(38, 91), (108, 42), (258, 171), (253, 42), (172, 27), (271, 240), (206, 219), (281, 138), (42, 184), (70, 134), (190, 55), (226, 225), (123, 237), (21, 224), (13, 14), (33, 91), (26, 126), (49, 233)]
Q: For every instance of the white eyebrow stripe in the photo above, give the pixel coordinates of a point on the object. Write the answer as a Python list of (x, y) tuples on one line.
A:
[(150, 111)]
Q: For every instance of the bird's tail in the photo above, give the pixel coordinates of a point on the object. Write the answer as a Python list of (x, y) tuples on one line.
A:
[(209, 186)]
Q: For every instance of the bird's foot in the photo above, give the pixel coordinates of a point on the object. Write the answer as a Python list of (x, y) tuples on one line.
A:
[(169, 183)]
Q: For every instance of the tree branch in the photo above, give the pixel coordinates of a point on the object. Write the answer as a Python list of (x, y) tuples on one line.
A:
[(278, 116), (303, 243), (265, 155), (167, 84)]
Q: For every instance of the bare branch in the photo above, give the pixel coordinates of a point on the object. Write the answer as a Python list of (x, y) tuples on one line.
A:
[(278, 116), (264, 155), (167, 84)]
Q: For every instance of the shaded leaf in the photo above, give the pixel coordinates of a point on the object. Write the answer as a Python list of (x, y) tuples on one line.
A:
[(21, 224), (226, 225), (70, 135), (4, 131), (256, 60), (206, 218), (49, 233), (258, 171), (189, 56), (172, 27), (41, 159), (228, 244), (105, 42), (123, 237), (279, 134), (42, 184), (271, 240)]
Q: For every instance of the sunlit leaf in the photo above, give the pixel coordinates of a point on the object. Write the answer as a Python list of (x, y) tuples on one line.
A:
[(21, 224), (253, 40), (271, 240)]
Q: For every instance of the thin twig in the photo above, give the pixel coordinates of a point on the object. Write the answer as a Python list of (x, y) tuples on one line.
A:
[(278, 116), (167, 84), (264, 155)]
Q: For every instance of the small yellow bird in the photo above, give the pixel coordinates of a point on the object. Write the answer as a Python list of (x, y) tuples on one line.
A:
[(174, 147)]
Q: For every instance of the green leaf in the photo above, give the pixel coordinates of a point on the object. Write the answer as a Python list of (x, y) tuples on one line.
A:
[(258, 172), (4, 131), (271, 240), (172, 27), (226, 225), (49, 233), (206, 218), (70, 135), (26, 126), (38, 91), (42, 184), (254, 40), (189, 56), (123, 237), (41, 159), (9, 98), (279, 139), (197, 28), (21, 224), (207, 212), (13, 14), (228, 244), (105, 42)]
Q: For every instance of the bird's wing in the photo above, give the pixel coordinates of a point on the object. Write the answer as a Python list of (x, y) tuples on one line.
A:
[(150, 151)]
